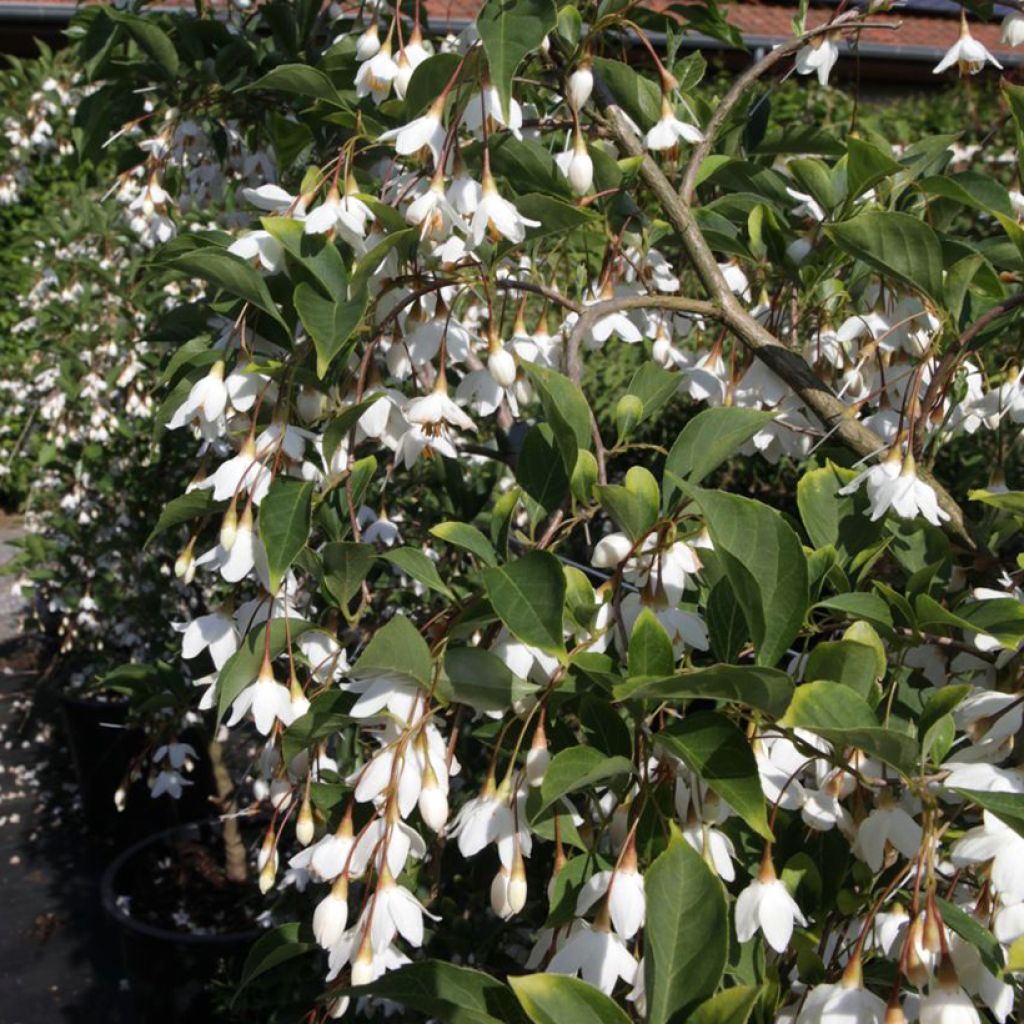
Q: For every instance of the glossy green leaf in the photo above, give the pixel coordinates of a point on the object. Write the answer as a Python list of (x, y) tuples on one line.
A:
[(767, 689), (419, 566), (711, 437), (243, 666), (844, 661), (328, 322), (276, 947), (448, 993), (509, 31), (557, 999), (578, 768), (565, 409), (528, 596), (396, 649), (346, 564), (299, 80), (186, 507), (839, 715), (481, 680), (650, 648), (284, 522), (224, 270), (765, 563), (731, 1006), (468, 537), (897, 245), (686, 938), (718, 752)]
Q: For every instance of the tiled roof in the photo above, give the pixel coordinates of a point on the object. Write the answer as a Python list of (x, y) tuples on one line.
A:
[(921, 36)]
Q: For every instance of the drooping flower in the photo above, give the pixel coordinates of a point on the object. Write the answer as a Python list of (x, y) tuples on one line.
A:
[(424, 131), (967, 53), (767, 906), (818, 57), (496, 216), (597, 954), (894, 483), (669, 130)]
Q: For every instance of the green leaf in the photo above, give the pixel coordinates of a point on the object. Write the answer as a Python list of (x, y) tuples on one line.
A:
[(556, 999), (346, 565), (329, 323), (765, 563), (565, 409), (686, 938), (481, 680), (650, 648), (630, 512), (299, 80), (428, 81), (227, 271), (639, 97), (455, 995), (844, 661), (732, 1006), (832, 518), (341, 425), (1010, 501), (968, 927), (717, 751), (577, 768), (324, 718), (653, 385), (183, 509), (859, 605), (839, 715), (1007, 807), (469, 537), (727, 628), (276, 947), (151, 38), (527, 166), (711, 437), (528, 596), (509, 31), (285, 518), (898, 245), (540, 469), (866, 166), (419, 566), (767, 689), (396, 649), (243, 666)]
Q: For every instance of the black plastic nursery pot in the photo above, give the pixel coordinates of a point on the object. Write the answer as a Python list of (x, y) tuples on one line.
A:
[(170, 972), (103, 747)]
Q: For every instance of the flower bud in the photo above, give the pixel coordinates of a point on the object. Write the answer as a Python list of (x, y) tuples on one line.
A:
[(339, 1008), (331, 914), (368, 43), (501, 365), (515, 891), (581, 85), (433, 803), (304, 825), (611, 550), (499, 893), (267, 861), (538, 758), (628, 411), (185, 563), (581, 167), (404, 76), (229, 525), (362, 966), (309, 404)]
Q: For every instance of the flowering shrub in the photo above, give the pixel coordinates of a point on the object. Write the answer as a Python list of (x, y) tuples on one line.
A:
[(737, 759)]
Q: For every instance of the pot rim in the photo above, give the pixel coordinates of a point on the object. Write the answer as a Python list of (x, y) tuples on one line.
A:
[(108, 897)]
